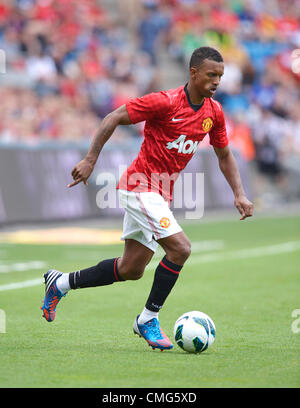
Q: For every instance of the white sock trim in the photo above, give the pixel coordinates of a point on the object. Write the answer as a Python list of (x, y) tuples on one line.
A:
[(147, 315), (63, 284)]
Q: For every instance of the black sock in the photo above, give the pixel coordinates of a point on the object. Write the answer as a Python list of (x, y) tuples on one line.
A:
[(105, 273), (165, 277)]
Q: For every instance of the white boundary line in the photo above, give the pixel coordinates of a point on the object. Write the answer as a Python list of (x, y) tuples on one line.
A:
[(21, 285), (277, 249), (270, 250), (22, 266), (197, 246)]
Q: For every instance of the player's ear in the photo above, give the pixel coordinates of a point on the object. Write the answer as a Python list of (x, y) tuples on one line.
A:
[(193, 72)]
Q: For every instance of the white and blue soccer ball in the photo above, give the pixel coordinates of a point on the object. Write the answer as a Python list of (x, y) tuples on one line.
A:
[(194, 332)]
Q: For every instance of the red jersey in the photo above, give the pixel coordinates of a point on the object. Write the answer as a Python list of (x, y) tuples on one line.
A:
[(174, 127)]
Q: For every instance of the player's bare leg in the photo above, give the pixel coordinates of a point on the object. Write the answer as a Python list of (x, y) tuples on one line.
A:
[(177, 247), (135, 258)]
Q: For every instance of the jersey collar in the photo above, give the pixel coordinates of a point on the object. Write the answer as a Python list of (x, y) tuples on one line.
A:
[(194, 106)]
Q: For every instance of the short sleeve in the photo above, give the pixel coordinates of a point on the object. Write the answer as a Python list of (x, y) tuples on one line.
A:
[(151, 106), (218, 135)]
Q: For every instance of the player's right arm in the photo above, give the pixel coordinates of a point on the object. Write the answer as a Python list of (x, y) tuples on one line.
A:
[(85, 167), (148, 107)]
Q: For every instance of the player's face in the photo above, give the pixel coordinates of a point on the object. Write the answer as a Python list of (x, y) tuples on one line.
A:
[(207, 77)]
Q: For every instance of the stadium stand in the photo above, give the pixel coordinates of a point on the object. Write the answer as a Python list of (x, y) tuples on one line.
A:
[(69, 63)]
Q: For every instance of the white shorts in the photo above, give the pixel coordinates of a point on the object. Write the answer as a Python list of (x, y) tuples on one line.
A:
[(147, 219)]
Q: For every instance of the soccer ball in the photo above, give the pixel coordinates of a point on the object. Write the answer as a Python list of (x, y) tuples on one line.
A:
[(194, 332)]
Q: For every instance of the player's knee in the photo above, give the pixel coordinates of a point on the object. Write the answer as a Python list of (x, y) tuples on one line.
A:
[(185, 250), (180, 253), (134, 274), (131, 272)]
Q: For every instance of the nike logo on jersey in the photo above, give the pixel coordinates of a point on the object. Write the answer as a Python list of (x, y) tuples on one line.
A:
[(176, 120), (182, 145)]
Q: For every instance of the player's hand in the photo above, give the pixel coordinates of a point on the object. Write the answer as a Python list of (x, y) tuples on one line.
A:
[(244, 206), (81, 172)]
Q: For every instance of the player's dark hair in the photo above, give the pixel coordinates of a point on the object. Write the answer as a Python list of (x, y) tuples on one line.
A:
[(202, 53)]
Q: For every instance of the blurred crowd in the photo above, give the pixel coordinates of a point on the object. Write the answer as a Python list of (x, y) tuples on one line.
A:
[(69, 63), (260, 89)]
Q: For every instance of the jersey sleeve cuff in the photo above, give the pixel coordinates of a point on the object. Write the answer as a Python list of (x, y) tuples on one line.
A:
[(131, 113)]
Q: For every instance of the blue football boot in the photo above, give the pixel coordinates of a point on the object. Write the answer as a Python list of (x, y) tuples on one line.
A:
[(153, 334), (52, 295)]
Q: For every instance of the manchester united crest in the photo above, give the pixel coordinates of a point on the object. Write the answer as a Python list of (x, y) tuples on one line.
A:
[(165, 222), (207, 124)]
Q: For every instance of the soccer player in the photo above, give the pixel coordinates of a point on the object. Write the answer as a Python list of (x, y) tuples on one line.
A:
[(175, 123)]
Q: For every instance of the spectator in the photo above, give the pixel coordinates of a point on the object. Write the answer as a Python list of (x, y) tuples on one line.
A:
[(77, 61), (73, 63)]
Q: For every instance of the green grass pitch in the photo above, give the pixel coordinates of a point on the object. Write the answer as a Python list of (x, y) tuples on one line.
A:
[(249, 286)]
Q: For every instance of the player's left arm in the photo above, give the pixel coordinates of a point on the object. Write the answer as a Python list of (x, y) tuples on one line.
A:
[(229, 168)]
